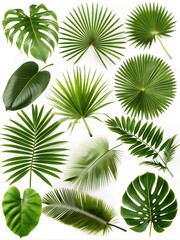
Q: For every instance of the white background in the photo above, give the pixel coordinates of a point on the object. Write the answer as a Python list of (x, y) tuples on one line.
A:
[(11, 59)]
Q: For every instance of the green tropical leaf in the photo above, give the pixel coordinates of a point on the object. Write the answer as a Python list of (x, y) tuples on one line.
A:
[(79, 210), (149, 200), (94, 166), (36, 34), (145, 139), (145, 86), (25, 85), (91, 26), (148, 23), (80, 97), (22, 214), (170, 150), (34, 146)]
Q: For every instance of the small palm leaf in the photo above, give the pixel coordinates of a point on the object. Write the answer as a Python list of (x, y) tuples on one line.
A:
[(145, 139), (34, 146), (80, 97), (145, 86), (94, 166), (79, 210), (22, 214), (149, 22), (36, 34), (25, 85), (96, 27), (149, 200)]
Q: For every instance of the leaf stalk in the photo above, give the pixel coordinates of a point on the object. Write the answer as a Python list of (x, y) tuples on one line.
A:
[(159, 39)]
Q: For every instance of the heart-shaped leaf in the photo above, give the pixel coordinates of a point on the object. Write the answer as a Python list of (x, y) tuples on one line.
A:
[(149, 200), (25, 85), (22, 215)]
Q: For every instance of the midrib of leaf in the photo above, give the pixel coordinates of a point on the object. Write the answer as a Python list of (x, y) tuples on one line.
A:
[(34, 32), (32, 158), (99, 158), (150, 210), (75, 209)]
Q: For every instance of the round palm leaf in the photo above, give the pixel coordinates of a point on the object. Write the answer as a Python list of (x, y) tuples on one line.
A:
[(149, 200), (149, 22), (91, 26), (145, 86)]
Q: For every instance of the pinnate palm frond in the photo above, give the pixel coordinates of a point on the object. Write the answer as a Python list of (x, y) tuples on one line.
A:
[(145, 139), (79, 210), (91, 26), (94, 166), (145, 86), (148, 23), (36, 34), (80, 97), (34, 146)]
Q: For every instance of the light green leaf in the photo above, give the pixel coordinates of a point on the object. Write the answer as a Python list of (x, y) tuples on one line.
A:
[(22, 214)]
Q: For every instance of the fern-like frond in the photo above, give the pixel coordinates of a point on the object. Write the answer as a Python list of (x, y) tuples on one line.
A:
[(34, 146), (79, 210), (81, 96), (94, 166), (91, 26), (145, 139)]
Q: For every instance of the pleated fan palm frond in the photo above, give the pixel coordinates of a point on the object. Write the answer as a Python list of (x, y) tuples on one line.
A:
[(148, 23), (145, 86), (34, 145), (94, 165), (79, 210), (80, 97), (91, 26)]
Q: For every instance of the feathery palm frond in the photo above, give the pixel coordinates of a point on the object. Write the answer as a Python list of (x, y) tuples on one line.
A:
[(145, 139), (34, 146), (79, 210), (80, 97), (94, 27), (148, 23), (36, 34), (94, 166), (145, 86)]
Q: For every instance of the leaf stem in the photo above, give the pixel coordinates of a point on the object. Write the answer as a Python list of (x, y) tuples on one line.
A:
[(159, 39), (169, 172), (110, 224), (150, 229), (87, 127), (51, 64)]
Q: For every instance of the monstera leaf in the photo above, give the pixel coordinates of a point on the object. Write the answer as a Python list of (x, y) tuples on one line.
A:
[(148, 23), (93, 26), (149, 200), (79, 210), (36, 34), (25, 85), (22, 214)]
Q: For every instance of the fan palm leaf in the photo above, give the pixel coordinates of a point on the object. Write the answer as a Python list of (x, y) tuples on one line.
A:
[(146, 141), (145, 86), (80, 97), (149, 200), (91, 26), (79, 210), (36, 34), (148, 23), (94, 166), (33, 143)]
